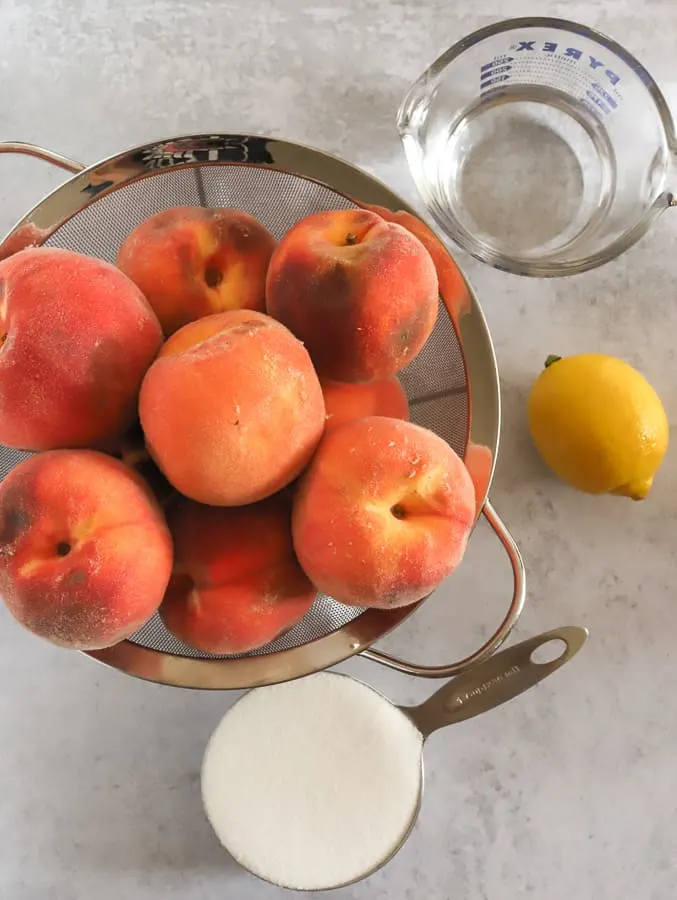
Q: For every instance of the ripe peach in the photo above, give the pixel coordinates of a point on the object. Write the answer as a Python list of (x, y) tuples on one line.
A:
[(360, 292), (232, 409), (453, 287), (344, 402), (383, 513), (236, 584), (85, 554), (76, 338), (191, 262)]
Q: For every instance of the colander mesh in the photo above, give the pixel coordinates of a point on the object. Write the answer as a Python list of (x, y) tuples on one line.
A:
[(435, 381)]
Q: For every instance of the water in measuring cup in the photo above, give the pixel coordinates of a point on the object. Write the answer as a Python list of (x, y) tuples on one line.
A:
[(527, 169)]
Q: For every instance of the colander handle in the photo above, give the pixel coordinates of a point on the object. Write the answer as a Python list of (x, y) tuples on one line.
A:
[(27, 233), (56, 159), (497, 638)]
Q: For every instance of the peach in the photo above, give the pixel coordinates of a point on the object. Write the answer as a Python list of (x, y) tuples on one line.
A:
[(453, 287), (344, 402), (360, 292), (85, 554), (383, 513), (232, 409), (76, 339), (236, 584), (191, 262)]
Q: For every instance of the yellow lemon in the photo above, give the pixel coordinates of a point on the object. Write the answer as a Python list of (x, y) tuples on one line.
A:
[(598, 424)]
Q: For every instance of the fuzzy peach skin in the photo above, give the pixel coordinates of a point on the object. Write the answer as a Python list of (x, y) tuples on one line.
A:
[(453, 287), (360, 292), (344, 401), (236, 583), (191, 262), (232, 409), (76, 339), (85, 554), (383, 513)]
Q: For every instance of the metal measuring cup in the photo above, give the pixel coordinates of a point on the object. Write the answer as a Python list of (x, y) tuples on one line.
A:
[(540, 146), (492, 683)]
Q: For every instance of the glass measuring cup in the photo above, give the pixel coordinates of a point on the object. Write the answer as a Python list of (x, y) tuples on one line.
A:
[(283, 759), (540, 146)]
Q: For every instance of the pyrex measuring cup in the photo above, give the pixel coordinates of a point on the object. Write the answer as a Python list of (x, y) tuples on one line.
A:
[(540, 146), (315, 784)]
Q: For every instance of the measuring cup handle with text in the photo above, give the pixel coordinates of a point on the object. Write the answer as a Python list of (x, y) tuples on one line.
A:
[(499, 679)]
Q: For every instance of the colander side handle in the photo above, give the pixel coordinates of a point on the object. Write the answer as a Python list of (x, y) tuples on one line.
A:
[(56, 159), (497, 638)]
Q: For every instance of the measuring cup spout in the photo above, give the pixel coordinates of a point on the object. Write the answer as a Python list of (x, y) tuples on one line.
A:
[(502, 677)]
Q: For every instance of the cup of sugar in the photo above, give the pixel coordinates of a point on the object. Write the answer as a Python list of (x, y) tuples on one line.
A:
[(316, 783)]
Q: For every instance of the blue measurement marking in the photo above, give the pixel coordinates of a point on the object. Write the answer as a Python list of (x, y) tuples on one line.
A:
[(497, 71), (605, 95), (598, 97)]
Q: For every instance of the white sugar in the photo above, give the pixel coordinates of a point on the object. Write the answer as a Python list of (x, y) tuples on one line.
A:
[(313, 783)]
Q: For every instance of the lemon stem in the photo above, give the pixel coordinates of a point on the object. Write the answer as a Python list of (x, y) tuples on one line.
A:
[(553, 358)]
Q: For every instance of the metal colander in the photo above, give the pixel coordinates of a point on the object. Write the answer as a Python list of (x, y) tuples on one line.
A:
[(279, 183)]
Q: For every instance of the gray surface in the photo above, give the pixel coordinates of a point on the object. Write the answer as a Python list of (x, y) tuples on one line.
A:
[(567, 792)]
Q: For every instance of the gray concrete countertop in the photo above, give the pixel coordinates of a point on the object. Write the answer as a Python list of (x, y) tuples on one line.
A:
[(570, 791)]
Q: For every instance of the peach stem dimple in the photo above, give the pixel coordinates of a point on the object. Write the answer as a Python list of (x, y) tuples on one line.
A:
[(63, 548), (351, 239), (213, 277), (398, 511)]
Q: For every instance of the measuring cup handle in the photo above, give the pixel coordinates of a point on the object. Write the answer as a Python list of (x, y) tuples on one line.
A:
[(499, 679), (40, 153), (497, 638)]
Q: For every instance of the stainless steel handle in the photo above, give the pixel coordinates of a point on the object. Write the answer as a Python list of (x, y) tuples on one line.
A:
[(39, 153), (497, 638), (499, 679), (28, 233)]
